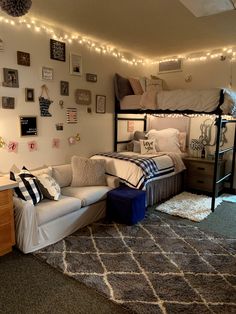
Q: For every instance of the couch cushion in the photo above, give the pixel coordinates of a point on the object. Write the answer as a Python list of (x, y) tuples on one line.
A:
[(62, 174), (88, 172), (88, 195), (48, 210)]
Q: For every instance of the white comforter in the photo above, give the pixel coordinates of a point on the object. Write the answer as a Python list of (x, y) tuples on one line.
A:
[(130, 173)]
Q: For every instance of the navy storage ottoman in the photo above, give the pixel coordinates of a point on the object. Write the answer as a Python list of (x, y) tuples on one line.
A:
[(126, 205)]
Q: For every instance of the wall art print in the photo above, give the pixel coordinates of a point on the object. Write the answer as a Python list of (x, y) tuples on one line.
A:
[(55, 143), (71, 114), (47, 73), (8, 102), (32, 146), (10, 77), (57, 50), (23, 58), (28, 126), (29, 94), (100, 104), (12, 147), (64, 88), (83, 97), (75, 64)]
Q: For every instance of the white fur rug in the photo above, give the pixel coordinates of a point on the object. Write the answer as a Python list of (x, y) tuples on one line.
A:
[(187, 205)]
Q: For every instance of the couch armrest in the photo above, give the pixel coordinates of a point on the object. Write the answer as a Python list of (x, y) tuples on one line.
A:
[(25, 223), (112, 182)]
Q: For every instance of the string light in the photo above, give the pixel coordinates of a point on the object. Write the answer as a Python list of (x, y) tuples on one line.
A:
[(112, 51)]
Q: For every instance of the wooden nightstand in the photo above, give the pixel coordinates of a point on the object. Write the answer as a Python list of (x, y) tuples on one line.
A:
[(200, 172), (7, 229)]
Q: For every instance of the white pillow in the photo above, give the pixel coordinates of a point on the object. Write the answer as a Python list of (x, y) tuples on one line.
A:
[(49, 187), (147, 147), (167, 140)]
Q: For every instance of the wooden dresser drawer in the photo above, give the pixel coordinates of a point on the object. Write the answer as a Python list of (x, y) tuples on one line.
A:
[(200, 168), (5, 197), (6, 214)]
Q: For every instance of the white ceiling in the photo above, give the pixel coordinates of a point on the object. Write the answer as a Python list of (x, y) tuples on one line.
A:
[(150, 28)]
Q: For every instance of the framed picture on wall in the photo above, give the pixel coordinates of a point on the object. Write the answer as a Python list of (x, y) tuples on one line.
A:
[(100, 103), (64, 88), (75, 64), (23, 58), (8, 102), (10, 77), (29, 94), (57, 50), (47, 73)]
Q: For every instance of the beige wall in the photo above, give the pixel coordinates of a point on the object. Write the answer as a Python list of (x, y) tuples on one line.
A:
[(96, 130)]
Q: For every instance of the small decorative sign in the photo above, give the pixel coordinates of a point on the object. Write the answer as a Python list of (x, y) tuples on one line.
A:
[(59, 126), (57, 50), (29, 94), (91, 77), (100, 103), (71, 114), (23, 58), (83, 97), (47, 73), (28, 125), (8, 102)]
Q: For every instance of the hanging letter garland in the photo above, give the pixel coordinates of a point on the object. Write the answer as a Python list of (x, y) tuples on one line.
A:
[(44, 103)]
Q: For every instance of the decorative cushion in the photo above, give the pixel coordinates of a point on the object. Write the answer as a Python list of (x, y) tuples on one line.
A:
[(154, 85), (167, 140), (147, 147), (49, 187), (28, 188), (136, 85), (88, 172), (62, 174), (122, 87)]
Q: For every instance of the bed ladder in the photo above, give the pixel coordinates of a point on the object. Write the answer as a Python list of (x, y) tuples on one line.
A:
[(221, 123)]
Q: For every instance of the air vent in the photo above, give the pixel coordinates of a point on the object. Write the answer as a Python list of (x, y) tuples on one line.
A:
[(170, 66)]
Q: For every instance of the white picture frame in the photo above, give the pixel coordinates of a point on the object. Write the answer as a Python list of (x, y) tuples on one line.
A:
[(75, 64), (47, 73)]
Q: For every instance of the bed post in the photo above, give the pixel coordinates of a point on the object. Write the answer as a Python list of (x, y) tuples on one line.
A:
[(115, 131)]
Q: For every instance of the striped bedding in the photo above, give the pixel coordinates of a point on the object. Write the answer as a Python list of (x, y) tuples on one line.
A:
[(137, 170)]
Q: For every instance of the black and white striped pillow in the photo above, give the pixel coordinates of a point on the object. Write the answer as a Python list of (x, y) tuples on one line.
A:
[(28, 188)]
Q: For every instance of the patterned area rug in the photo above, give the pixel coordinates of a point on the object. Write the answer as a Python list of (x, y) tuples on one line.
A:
[(157, 266), (187, 205)]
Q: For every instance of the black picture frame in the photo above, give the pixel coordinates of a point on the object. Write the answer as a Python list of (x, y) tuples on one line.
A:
[(28, 126), (23, 58), (29, 94), (8, 102), (57, 50), (64, 88)]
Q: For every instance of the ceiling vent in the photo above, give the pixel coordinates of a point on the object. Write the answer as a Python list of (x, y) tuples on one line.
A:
[(170, 66)]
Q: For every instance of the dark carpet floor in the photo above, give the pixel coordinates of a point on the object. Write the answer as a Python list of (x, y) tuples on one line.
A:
[(222, 221), (157, 266), (28, 286)]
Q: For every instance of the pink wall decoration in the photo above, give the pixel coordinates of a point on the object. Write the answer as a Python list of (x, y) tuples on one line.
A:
[(32, 145), (12, 147), (55, 143), (71, 140)]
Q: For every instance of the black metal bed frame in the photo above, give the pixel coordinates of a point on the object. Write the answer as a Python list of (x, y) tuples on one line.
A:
[(219, 122)]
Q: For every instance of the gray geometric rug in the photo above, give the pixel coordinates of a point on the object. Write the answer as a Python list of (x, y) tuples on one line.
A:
[(156, 266)]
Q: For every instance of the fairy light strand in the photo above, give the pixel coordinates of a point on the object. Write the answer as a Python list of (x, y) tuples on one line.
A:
[(111, 50)]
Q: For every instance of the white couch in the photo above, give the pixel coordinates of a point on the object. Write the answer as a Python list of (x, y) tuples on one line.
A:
[(50, 221)]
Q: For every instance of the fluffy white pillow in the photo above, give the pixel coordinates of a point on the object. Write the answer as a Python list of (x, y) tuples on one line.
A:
[(88, 172), (49, 187), (167, 140), (147, 147)]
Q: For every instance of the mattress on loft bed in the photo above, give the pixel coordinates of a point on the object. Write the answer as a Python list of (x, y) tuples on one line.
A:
[(205, 100)]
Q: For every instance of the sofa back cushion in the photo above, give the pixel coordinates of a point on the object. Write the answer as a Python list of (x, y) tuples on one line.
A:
[(88, 172), (62, 174)]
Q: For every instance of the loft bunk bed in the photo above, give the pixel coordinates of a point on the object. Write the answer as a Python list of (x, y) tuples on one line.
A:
[(225, 105)]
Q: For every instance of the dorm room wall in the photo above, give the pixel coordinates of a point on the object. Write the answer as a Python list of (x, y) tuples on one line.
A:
[(95, 130)]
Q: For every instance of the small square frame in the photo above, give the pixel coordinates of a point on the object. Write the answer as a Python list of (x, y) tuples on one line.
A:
[(8, 102), (64, 88), (47, 73), (57, 50), (10, 77), (23, 58), (29, 94), (100, 103), (75, 64)]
